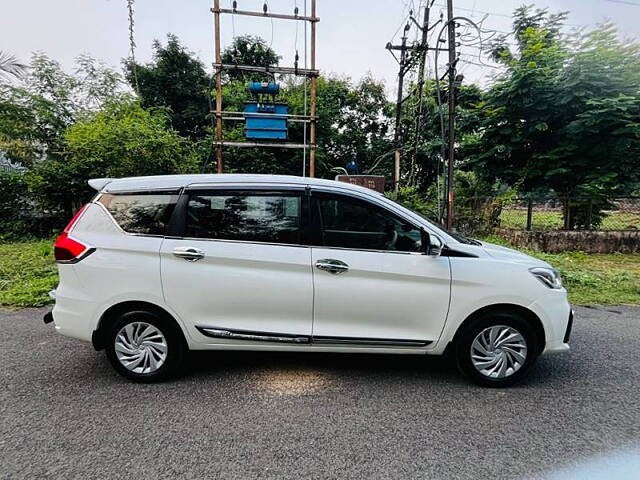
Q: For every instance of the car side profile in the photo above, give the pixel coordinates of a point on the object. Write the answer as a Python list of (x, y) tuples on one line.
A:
[(156, 266)]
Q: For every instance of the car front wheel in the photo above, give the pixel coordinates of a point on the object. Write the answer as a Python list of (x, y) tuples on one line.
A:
[(497, 349)]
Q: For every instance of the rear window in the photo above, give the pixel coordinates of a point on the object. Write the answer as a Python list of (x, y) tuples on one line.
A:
[(144, 213)]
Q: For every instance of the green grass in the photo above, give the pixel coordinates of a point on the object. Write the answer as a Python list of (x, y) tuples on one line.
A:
[(605, 279), (517, 219), (28, 272)]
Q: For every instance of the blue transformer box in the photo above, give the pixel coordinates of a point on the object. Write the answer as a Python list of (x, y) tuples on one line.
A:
[(265, 120)]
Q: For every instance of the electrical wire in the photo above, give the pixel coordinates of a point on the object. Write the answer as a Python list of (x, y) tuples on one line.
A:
[(437, 75)]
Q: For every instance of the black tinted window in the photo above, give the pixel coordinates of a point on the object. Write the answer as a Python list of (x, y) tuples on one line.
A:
[(350, 223), (141, 213), (256, 217)]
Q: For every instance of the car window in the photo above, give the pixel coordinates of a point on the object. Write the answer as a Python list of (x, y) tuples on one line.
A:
[(352, 223), (248, 216), (145, 213)]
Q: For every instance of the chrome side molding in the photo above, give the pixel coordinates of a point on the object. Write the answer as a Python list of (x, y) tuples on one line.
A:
[(216, 332), (252, 336), (377, 342)]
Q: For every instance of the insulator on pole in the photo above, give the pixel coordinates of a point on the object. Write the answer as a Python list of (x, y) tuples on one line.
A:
[(265, 9), (235, 5), (295, 11)]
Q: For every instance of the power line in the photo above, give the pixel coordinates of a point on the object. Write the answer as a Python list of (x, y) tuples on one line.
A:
[(624, 2)]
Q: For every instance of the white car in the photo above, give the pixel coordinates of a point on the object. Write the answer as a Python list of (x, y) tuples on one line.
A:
[(155, 266)]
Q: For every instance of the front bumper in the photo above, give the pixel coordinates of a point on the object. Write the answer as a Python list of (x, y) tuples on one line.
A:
[(567, 333), (556, 345)]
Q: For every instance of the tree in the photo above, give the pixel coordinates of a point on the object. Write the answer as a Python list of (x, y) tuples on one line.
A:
[(123, 139), (35, 112), (429, 164), (249, 50), (564, 114), (175, 79), (10, 66)]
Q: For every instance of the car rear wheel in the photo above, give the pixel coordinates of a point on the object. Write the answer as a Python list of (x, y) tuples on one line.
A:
[(145, 347), (496, 349)]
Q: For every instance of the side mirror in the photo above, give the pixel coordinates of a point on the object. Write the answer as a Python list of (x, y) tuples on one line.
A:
[(433, 244)]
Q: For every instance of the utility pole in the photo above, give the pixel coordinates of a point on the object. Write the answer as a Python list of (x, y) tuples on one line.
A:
[(452, 111), (310, 74), (396, 134), (423, 57), (218, 58), (313, 93)]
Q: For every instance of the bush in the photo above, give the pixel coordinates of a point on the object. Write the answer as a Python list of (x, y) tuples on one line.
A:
[(121, 140), (15, 207)]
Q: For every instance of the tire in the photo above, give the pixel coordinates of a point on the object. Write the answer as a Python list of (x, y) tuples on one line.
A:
[(145, 347), (501, 365)]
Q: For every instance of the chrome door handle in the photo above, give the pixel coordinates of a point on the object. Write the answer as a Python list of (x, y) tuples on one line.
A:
[(332, 266), (191, 254)]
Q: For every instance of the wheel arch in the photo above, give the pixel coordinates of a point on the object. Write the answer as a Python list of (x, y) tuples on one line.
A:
[(112, 313), (505, 308)]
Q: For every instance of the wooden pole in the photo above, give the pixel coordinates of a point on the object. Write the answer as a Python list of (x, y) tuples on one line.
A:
[(397, 138), (313, 92), (216, 16), (452, 112)]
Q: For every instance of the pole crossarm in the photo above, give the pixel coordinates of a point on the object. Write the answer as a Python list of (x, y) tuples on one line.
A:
[(263, 144), (302, 72), (289, 116), (266, 15), (232, 115)]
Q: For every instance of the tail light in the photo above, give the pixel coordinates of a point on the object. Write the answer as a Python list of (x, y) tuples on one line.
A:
[(68, 249)]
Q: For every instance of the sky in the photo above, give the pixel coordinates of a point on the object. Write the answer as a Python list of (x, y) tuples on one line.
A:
[(352, 34)]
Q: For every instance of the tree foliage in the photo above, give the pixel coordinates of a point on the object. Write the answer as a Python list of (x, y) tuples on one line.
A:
[(175, 79), (565, 114), (123, 139), (249, 50), (35, 112)]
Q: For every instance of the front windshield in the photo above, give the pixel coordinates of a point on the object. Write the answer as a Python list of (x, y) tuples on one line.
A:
[(460, 238)]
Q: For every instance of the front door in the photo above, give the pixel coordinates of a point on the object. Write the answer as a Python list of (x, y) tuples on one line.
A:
[(373, 284), (238, 270)]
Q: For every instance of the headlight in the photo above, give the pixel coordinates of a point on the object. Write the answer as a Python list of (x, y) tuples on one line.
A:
[(549, 276)]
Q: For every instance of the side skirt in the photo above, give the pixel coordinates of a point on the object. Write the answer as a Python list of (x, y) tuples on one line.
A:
[(216, 332)]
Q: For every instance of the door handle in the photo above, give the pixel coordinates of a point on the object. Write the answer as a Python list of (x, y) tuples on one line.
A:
[(191, 254), (332, 266)]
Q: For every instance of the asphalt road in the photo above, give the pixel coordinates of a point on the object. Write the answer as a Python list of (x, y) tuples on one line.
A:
[(65, 414)]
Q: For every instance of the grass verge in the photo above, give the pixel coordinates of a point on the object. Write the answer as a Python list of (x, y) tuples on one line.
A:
[(28, 272)]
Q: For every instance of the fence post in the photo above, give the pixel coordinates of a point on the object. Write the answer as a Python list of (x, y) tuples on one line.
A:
[(567, 215), (590, 214), (529, 214)]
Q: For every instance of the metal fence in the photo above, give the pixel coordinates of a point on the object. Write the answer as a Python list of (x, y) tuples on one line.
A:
[(483, 215)]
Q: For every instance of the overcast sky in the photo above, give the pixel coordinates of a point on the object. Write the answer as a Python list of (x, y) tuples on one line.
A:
[(351, 33)]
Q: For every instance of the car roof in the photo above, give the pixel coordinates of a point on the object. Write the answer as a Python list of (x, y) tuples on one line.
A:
[(164, 182)]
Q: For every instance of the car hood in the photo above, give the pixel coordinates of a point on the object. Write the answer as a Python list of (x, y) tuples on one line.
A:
[(509, 254)]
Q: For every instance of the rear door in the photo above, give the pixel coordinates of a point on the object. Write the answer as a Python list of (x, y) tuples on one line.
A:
[(238, 269), (373, 284)]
